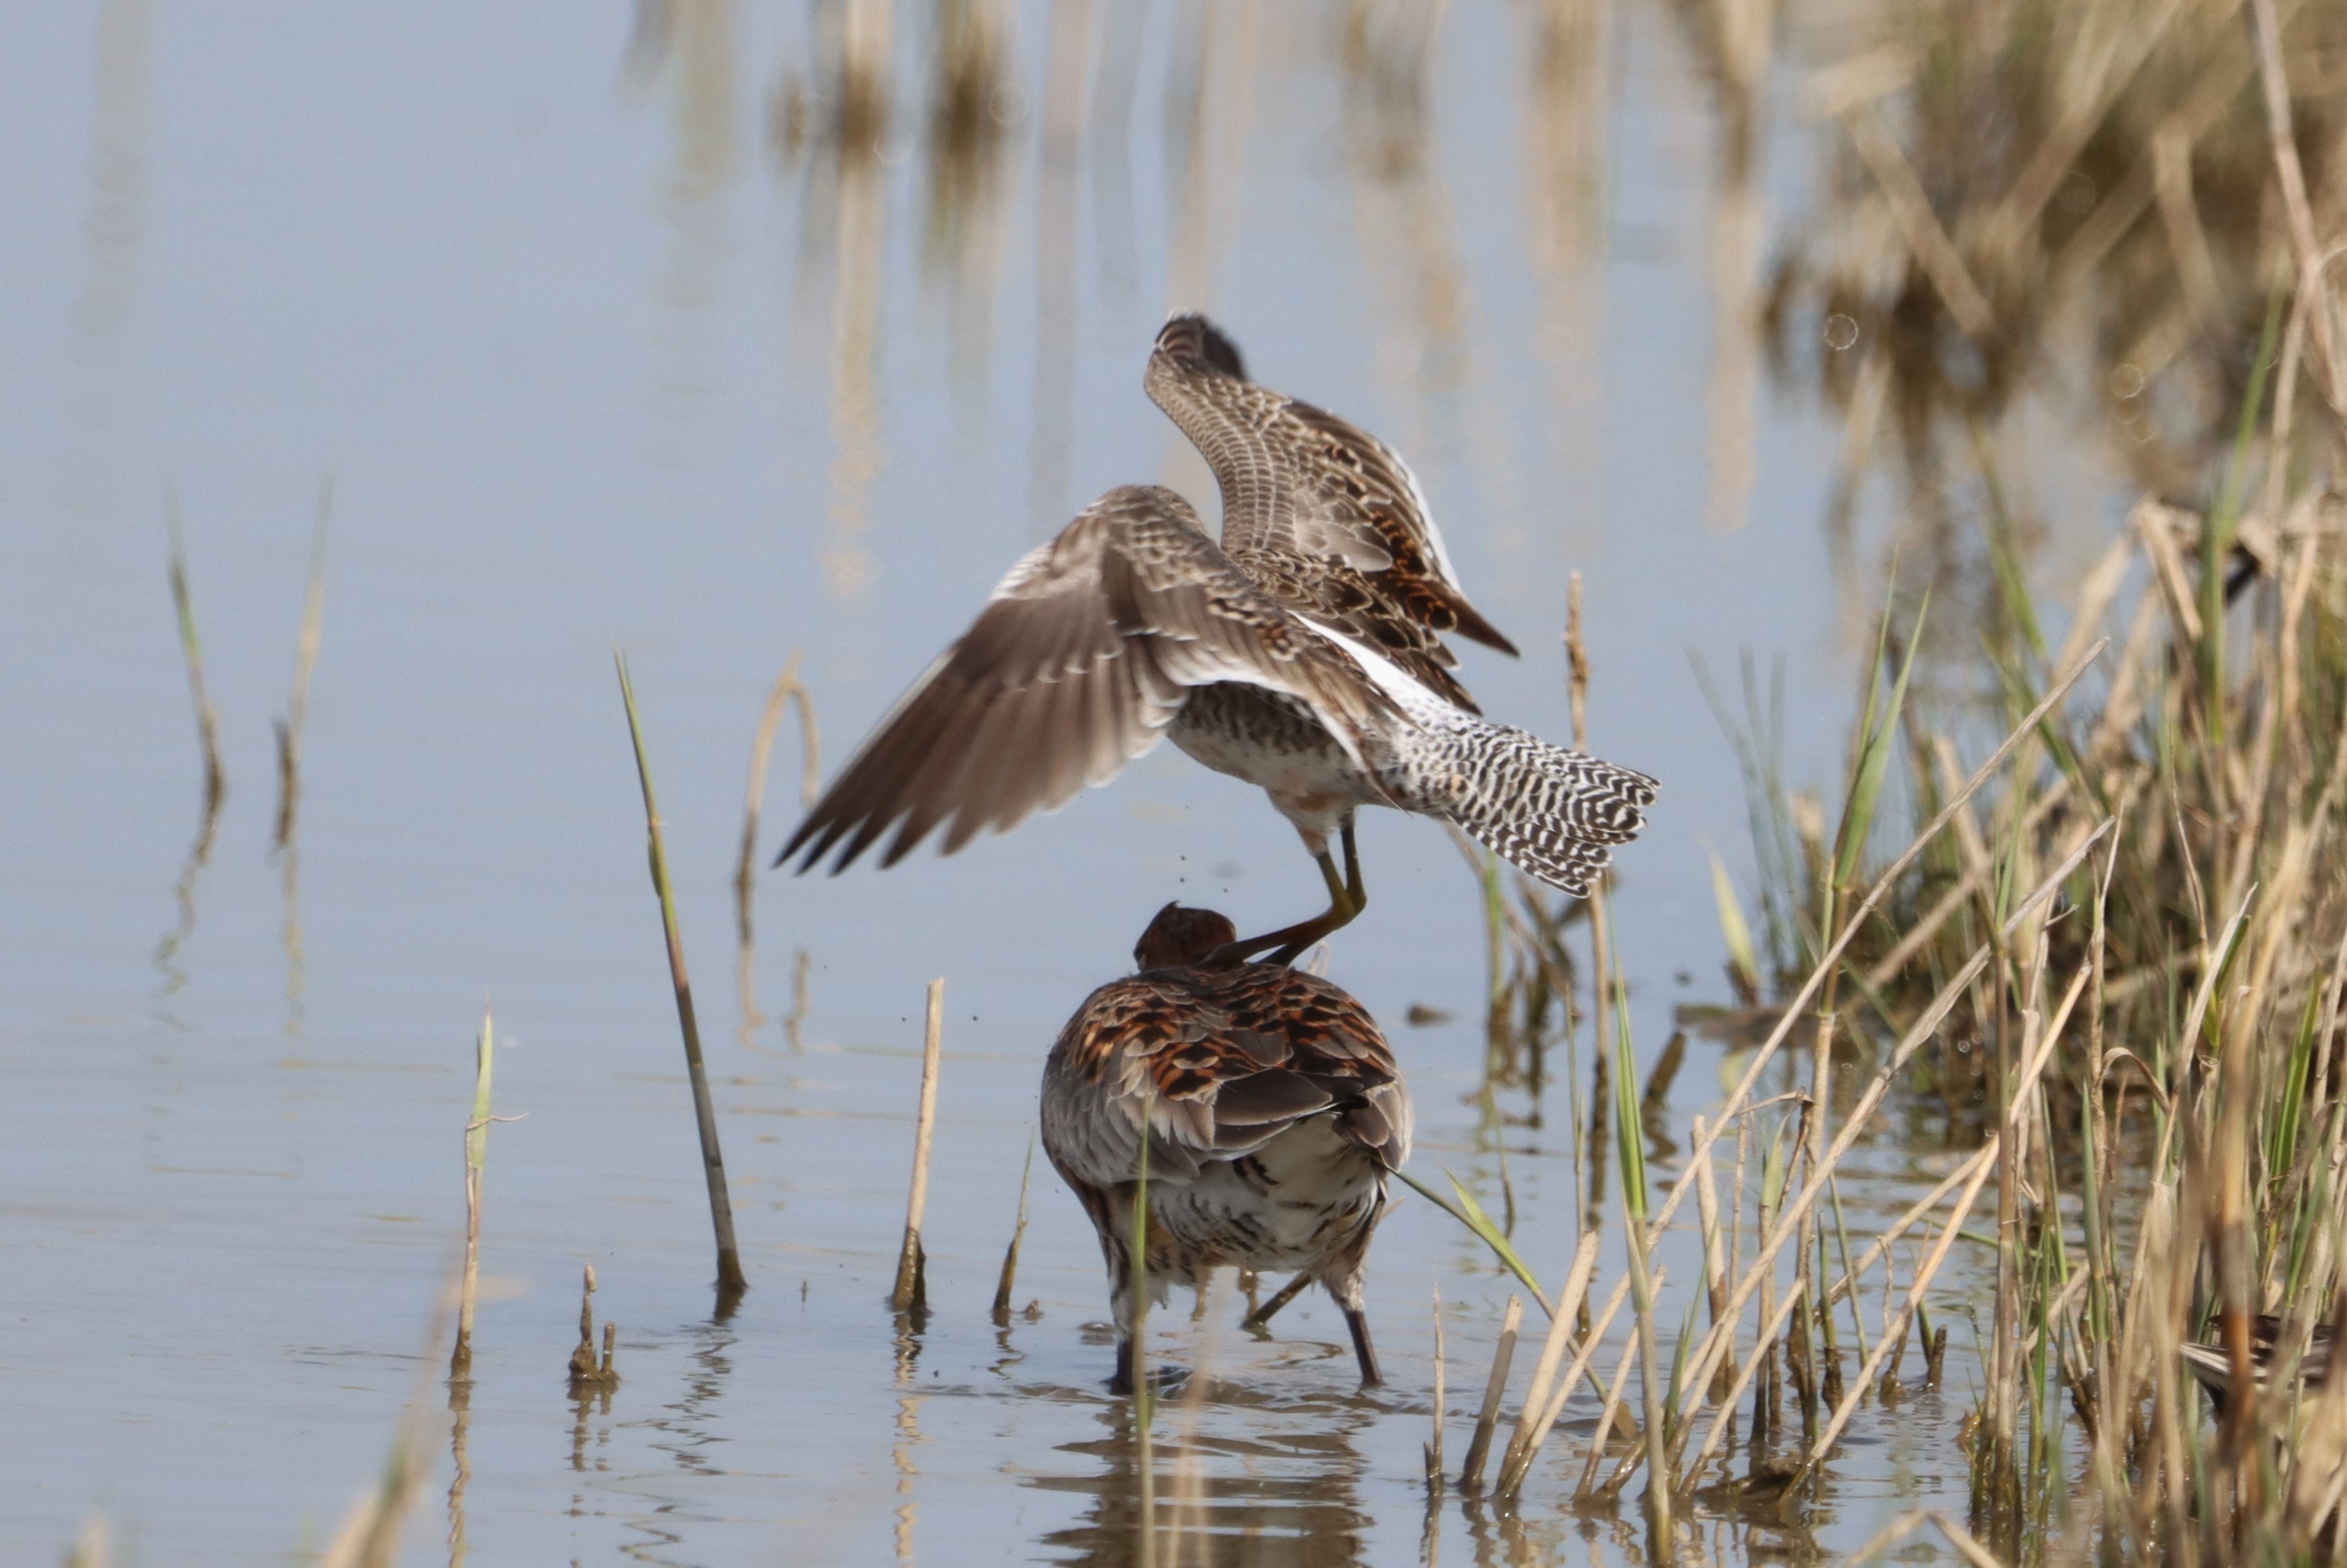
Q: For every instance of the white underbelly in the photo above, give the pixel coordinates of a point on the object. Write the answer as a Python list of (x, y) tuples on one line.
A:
[(1287, 1206), (1308, 777)]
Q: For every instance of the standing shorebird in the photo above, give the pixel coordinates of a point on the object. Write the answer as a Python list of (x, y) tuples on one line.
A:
[(2211, 1366), (1275, 1113), (1304, 653), (2310, 1439)]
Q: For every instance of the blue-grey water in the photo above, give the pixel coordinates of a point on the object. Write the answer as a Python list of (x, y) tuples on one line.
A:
[(597, 359)]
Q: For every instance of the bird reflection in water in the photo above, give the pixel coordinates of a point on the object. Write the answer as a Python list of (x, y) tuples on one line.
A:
[(1245, 1482)]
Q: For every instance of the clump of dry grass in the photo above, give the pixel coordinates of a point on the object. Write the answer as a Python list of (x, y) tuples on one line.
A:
[(2155, 1049), (2012, 182)]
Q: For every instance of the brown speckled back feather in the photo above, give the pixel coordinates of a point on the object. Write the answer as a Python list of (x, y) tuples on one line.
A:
[(1328, 517), (1225, 1062)]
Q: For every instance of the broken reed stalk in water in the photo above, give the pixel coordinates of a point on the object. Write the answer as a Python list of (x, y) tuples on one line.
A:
[(587, 1375), (1002, 1286), (787, 688), (912, 1262), (305, 662), (731, 1281), (761, 747), (477, 1158), (191, 650), (1471, 1473), (762, 750)]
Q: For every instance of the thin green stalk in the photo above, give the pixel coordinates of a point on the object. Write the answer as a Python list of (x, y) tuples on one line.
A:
[(305, 663), (1137, 1275), (477, 1158), (1471, 1213), (1630, 1136), (2217, 534), (731, 1281), (191, 652)]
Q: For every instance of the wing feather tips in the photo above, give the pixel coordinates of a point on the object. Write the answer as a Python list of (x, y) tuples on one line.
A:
[(1196, 343), (1475, 628)]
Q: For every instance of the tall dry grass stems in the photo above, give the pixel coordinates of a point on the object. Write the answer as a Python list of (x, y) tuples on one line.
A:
[(2122, 969)]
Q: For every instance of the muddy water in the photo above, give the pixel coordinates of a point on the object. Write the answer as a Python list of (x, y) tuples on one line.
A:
[(595, 358)]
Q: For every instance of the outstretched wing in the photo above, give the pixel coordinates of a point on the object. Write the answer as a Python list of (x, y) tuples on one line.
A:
[(1220, 1063), (1300, 482), (1075, 667)]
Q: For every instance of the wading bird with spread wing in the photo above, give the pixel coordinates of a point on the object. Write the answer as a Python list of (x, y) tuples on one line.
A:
[(1274, 1110), (1303, 653)]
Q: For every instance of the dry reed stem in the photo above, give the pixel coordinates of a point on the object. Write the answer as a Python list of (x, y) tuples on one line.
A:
[(476, 1155), (1002, 1286), (2266, 30), (1434, 1443), (1973, 882), (93, 1546), (912, 1285), (305, 662), (1519, 1465), (1607, 1413), (1919, 226), (370, 1532), (787, 688), (730, 1282), (191, 652), (1971, 1551), (1700, 1366), (1187, 1524), (1881, 890), (1897, 1228), (1552, 1348), (761, 749), (1470, 1474), (1714, 1283), (1637, 1245), (1770, 1331), (1884, 1539), (1893, 1333), (1576, 658)]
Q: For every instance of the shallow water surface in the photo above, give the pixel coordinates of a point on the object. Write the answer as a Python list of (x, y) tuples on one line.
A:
[(603, 345)]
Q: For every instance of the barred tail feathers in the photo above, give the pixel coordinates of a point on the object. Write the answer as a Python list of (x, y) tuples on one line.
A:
[(1552, 812)]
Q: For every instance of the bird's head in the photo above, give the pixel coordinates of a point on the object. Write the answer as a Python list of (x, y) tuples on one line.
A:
[(1178, 938)]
